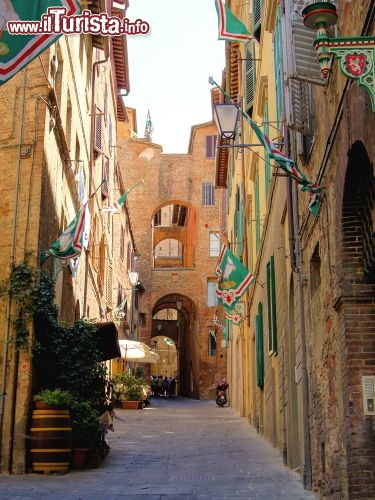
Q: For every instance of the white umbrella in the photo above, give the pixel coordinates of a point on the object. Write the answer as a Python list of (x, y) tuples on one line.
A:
[(133, 350)]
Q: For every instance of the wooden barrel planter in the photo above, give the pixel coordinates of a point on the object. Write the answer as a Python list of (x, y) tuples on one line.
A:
[(51, 440)]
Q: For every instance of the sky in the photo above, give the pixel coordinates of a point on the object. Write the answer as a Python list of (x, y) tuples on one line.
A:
[(170, 66)]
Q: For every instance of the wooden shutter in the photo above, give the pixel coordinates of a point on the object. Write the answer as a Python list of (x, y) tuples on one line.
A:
[(301, 107), (259, 346), (122, 243), (110, 133), (106, 103), (98, 130), (278, 63), (101, 270), (304, 71), (271, 304), (257, 8), (95, 244), (109, 288), (238, 223), (105, 177), (257, 211), (306, 66), (249, 77)]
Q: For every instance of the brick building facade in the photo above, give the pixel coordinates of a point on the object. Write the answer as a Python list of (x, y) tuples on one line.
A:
[(182, 185), (57, 140), (302, 366)]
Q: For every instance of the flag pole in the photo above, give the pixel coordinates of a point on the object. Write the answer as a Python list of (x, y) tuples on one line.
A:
[(94, 193), (289, 166), (134, 185)]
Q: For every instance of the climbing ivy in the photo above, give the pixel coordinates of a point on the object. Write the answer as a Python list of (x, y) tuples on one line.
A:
[(21, 288), (63, 356)]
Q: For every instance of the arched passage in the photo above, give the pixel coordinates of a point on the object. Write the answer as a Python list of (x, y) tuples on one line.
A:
[(356, 305), (172, 323), (173, 235)]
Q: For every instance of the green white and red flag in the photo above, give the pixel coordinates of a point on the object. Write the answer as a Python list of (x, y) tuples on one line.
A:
[(235, 316), (16, 51), (233, 279), (216, 321), (117, 205), (230, 27), (71, 242), (290, 167)]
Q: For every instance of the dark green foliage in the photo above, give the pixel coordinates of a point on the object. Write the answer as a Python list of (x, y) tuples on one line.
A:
[(85, 425), (66, 357), (56, 398), (69, 358), (127, 387)]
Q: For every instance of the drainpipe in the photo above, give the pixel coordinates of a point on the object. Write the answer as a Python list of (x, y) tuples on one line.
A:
[(296, 259), (9, 301), (307, 475), (91, 159)]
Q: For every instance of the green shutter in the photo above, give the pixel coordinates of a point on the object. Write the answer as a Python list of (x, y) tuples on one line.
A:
[(257, 211), (259, 346), (267, 160), (249, 77), (238, 223), (278, 60), (257, 8), (271, 304)]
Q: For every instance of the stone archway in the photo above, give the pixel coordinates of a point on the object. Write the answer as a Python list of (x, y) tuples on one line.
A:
[(173, 318), (356, 310), (174, 235)]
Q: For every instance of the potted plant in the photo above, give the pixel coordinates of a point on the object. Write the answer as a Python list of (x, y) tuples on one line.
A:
[(51, 431), (53, 398), (127, 388), (85, 432)]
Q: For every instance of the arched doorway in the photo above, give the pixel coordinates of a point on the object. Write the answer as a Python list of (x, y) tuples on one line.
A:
[(171, 337), (356, 309)]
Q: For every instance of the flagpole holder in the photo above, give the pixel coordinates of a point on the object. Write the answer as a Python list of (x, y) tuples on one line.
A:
[(356, 54)]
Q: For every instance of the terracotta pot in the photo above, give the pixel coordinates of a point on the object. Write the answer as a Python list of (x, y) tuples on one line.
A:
[(79, 458), (131, 405), (94, 459), (40, 405)]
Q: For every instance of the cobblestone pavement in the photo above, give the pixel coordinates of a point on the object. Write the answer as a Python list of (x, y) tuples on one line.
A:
[(176, 449)]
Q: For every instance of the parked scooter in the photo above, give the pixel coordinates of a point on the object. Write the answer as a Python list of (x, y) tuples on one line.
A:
[(221, 393)]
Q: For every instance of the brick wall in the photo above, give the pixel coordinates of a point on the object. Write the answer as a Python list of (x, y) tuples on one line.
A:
[(177, 179)]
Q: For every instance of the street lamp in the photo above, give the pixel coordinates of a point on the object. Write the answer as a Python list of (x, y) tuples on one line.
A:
[(226, 118), (134, 279), (178, 305)]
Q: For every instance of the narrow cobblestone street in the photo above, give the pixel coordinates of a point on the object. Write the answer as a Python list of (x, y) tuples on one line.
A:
[(175, 449)]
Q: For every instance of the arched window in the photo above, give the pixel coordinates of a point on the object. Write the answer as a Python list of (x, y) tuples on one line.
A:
[(211, 343)]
